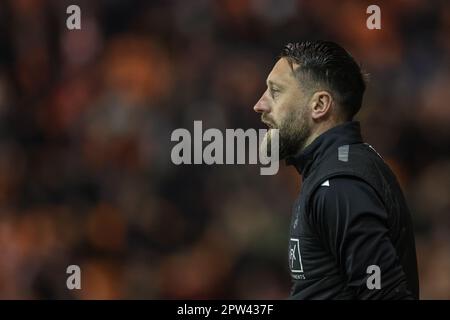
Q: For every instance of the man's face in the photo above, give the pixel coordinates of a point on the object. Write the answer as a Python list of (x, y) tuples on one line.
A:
[(284, 106)]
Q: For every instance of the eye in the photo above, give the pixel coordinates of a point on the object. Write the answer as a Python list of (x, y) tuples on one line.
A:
[(274, 92)]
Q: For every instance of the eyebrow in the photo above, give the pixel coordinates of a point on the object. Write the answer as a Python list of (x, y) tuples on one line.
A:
[(272, 83)]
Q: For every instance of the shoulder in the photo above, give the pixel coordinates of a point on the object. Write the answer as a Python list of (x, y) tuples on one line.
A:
[(342, 186), (345, 194)]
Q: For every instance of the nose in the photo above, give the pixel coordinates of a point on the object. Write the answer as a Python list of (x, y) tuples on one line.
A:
[(261, 106)]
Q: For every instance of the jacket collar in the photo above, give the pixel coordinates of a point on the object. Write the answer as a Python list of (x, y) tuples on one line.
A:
[(306, 160)]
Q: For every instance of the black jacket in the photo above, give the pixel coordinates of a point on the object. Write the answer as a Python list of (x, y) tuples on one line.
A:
[(350, 223)]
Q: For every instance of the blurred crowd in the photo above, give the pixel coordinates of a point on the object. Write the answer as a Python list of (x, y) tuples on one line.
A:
[(86, 117)]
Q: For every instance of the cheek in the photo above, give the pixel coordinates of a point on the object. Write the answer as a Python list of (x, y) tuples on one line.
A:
[(286, 108)]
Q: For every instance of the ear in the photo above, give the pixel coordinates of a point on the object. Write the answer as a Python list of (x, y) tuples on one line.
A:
[(321, 104)]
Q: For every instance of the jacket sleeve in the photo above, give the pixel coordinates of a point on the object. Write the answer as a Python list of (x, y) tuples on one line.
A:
[(351, 221)]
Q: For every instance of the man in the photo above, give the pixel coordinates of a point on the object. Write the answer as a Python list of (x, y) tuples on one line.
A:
[(351, 234)]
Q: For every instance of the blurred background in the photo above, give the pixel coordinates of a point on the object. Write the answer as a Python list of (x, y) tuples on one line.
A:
[(85, 123)]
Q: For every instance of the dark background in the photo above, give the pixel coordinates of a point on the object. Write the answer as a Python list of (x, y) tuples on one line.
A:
[(85, 124)]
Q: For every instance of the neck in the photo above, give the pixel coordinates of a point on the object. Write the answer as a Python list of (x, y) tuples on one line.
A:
[(318, 130), (320, 143)]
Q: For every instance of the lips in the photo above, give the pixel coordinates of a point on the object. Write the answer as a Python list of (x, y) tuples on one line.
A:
[(268, 124)]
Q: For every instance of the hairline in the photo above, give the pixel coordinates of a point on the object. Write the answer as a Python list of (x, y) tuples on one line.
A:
[(297, 72)]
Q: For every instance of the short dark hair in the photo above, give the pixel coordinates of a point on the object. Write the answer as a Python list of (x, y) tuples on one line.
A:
[(327, 63)]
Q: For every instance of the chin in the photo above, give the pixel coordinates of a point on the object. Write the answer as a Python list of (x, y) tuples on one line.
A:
[(264, 147)]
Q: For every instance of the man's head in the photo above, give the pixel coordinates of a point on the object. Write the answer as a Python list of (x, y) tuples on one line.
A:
[(314, 86)]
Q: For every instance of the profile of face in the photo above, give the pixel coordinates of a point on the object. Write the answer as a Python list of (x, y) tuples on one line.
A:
[(285, 106)]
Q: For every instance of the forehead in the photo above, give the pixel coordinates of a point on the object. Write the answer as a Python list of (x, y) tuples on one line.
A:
[(282, 72)]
